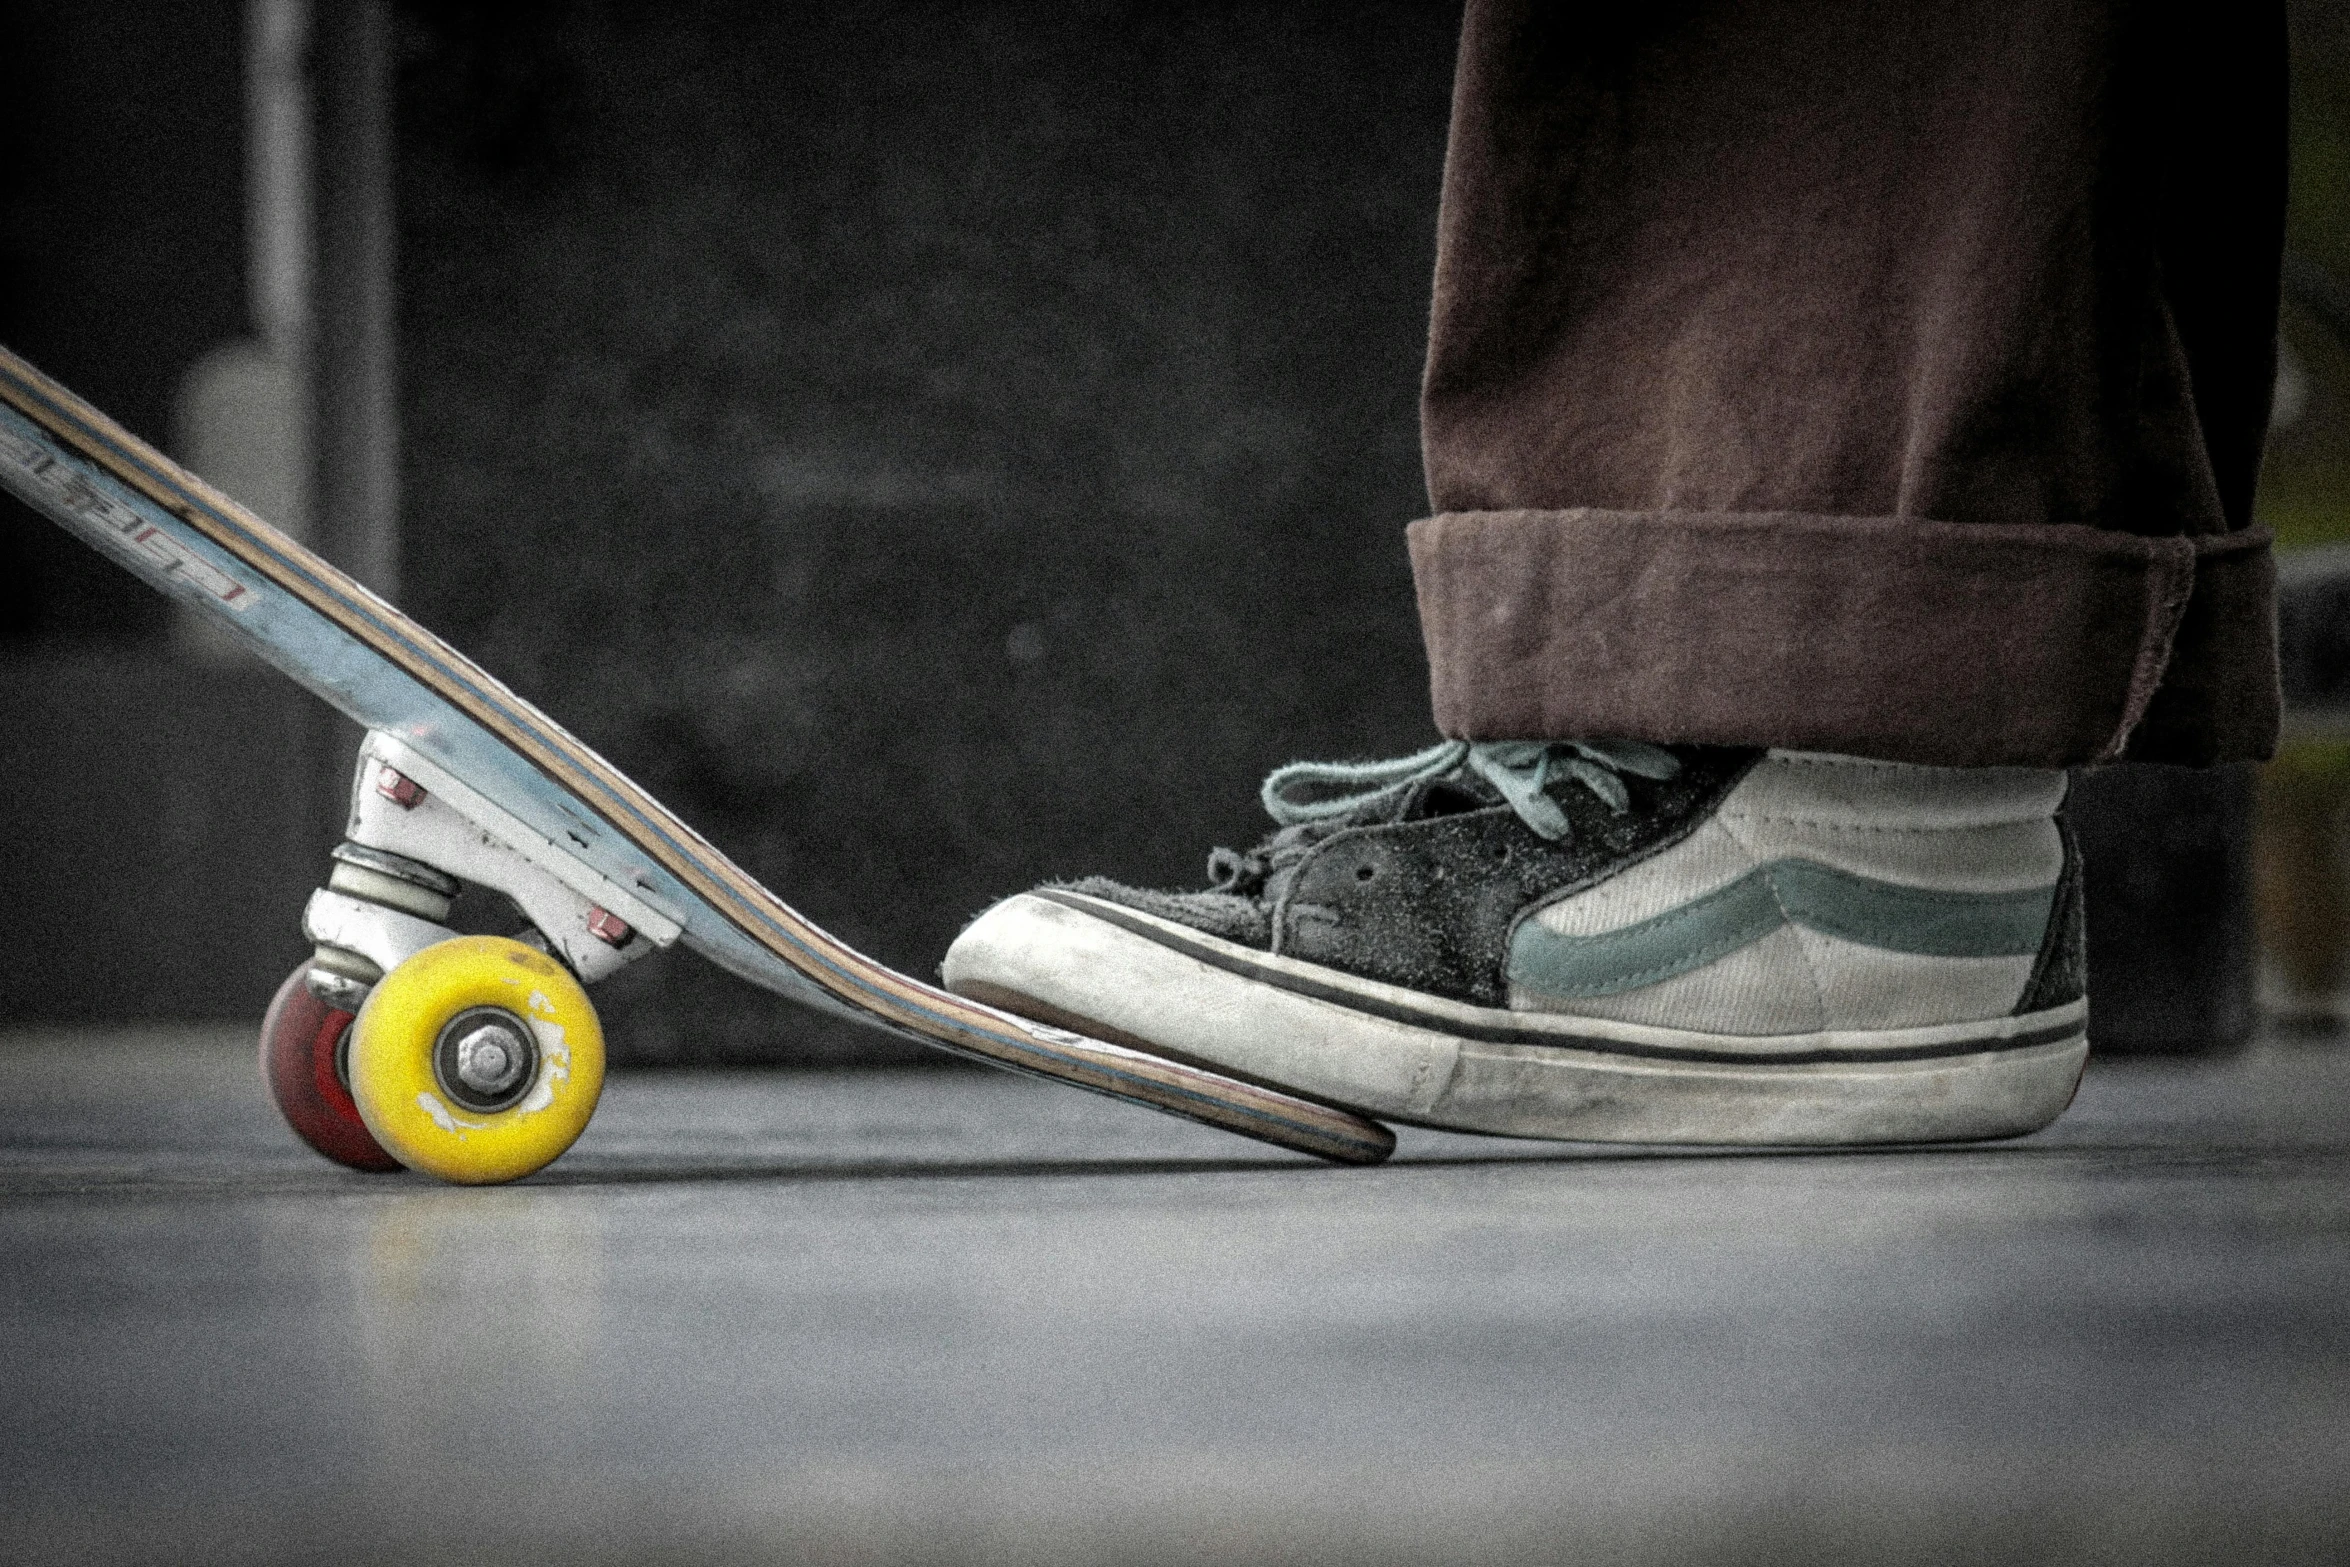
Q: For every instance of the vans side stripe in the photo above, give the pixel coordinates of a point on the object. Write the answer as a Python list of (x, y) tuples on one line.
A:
[(1921, 921)]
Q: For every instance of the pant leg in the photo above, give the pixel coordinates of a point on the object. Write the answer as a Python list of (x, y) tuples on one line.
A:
[(1854, 377)]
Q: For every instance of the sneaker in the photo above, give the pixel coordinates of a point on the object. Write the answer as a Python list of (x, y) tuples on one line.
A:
[(1601, 941)]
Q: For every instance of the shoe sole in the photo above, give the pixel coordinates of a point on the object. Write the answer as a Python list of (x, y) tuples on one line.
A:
[(1132, 978)]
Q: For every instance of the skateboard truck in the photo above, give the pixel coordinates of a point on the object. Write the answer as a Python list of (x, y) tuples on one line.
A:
[(416, 832), (376, 910)]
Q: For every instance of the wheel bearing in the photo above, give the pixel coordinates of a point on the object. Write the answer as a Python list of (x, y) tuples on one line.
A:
[(485, 1058)]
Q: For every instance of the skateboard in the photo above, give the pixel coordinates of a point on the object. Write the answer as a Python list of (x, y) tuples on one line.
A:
[(401, 1042)]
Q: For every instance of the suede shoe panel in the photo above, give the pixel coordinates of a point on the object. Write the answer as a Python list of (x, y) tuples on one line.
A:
[(1235, 919), (1428, 904), (2061, 974)]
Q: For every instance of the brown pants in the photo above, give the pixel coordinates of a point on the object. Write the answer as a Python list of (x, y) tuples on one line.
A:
[(1855, 377)]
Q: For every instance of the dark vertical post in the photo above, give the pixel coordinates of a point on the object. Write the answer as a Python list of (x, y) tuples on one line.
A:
[(353, 380), (2168, 851), (354, 395)]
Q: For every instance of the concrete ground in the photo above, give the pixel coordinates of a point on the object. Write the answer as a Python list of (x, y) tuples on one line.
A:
[(954, 1317)]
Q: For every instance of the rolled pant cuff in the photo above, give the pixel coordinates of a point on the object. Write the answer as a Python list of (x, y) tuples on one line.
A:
[(1951, 644)]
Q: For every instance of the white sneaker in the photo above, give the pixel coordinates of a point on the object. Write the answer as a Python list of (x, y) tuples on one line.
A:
[(1602, 941)]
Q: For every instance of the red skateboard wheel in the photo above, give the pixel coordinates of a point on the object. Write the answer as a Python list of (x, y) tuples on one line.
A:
[(298, 1039)]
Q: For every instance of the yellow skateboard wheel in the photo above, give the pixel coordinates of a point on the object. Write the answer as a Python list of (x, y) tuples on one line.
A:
[(477, 1060)]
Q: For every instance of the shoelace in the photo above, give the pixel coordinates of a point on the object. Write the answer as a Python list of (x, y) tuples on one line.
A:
[(1520, 770)]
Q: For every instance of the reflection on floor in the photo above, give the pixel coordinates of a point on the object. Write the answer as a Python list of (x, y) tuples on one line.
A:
[(949, 1316)]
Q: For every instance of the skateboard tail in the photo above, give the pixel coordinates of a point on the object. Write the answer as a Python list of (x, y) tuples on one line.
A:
[(367, 659)]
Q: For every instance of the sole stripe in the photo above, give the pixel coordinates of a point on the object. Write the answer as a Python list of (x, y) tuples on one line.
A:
[(1234, 960)]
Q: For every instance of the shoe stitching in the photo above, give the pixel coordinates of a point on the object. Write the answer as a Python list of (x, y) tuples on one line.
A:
[(1921, 832), (1705, 954), (1875, 764), (1819, 997), (1856, 764), (1243, 962)]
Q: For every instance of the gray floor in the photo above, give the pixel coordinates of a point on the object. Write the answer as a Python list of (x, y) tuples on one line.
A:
[(957, 1317)]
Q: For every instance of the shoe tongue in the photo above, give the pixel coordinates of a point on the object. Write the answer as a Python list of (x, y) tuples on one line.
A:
[(1278, 856), (1447, 796)]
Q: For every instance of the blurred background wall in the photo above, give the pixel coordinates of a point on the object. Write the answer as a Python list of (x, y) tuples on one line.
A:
[(2304, 914), (153, 839), (935, 447), (122, 253)]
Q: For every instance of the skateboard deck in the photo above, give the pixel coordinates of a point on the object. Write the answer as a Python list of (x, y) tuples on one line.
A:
[(374, 664)]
